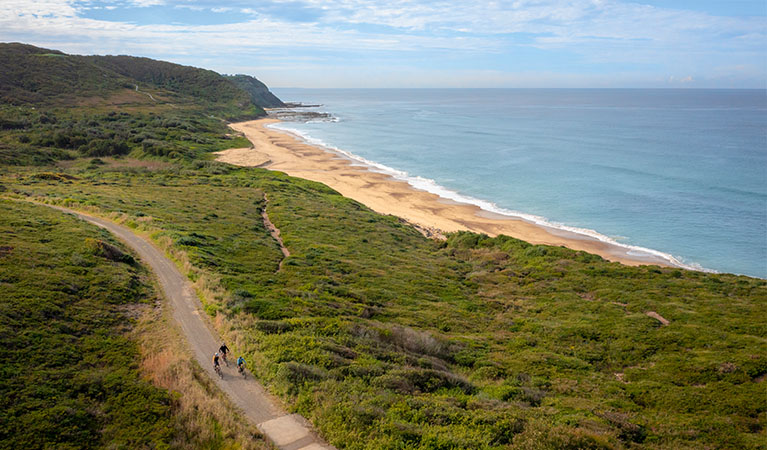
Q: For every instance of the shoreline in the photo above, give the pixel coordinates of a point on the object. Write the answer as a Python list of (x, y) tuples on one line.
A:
[(432, 214)]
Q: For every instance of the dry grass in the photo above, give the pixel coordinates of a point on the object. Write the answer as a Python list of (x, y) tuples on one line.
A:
[(205, 416), (111, 162)]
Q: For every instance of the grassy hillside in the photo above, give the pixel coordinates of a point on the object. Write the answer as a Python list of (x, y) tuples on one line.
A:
[(70, 376), (388, 340), (383, 338), (32, 75), (70, 363), (41, 77), (58, 107), (36, 137), (208, 89)]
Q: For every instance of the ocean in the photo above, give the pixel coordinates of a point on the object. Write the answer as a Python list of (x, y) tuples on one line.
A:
[(676, 172)]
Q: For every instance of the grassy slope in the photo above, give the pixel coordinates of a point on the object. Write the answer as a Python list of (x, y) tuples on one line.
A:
[(70, 377), (39, 138), (383, 338), (38, 77), (72, 373), (58, 106), (32, 75), (388, 340)]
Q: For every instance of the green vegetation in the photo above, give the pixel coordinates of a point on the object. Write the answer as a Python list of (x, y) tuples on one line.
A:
[(32, 75), (58, 107), (69, 373), (32, 137), (41, 77), (385, 339), (215, 93)]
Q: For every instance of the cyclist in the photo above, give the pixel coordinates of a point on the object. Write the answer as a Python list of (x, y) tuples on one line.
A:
[(241, 365), (224, 350), (216, 364)]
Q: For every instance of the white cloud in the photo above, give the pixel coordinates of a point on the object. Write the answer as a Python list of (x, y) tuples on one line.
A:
[(190, 7), (81, 34), (599, 32), (147, 3), (40, 8)]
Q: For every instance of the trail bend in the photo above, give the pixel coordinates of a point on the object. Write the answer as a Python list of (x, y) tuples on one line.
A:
[(286, 431)]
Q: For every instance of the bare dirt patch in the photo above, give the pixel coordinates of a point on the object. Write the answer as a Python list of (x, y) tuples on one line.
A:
[(275, 232), (658, 317)]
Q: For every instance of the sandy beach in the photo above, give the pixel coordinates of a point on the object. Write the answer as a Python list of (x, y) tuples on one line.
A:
[(276, 150)]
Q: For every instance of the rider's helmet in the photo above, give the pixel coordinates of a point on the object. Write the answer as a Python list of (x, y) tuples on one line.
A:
[(216, 353)]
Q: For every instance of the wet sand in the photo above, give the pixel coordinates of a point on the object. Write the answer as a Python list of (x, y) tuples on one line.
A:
[(276, 150)]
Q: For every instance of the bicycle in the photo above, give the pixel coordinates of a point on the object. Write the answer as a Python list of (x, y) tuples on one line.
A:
[(217, 368), (223, 356), (241, 366)]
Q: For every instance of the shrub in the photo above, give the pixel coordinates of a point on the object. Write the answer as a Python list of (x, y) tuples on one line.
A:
[(298, 373), (267, 309), (273, 326), (108, 251), (104, 147), (188, 241), (628, 431), (412, 380)]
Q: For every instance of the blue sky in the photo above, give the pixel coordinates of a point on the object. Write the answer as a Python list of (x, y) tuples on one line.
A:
[(420, 43)]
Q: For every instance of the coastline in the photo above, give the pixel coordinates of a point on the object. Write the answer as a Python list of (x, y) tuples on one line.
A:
[(278, 150)]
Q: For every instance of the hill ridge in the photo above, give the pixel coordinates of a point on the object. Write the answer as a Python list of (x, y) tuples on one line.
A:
[(40, 76)]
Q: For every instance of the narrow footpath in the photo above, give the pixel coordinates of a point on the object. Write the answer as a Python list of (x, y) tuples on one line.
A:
[(286, 431), (275, 232)]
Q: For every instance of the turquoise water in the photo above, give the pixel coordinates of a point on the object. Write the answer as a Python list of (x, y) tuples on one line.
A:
[(678, 172)]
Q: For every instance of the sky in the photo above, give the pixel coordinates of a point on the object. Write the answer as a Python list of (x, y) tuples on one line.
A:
[(420, 43)]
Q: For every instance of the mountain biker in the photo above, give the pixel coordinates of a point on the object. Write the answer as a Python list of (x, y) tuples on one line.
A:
[(241, 363), (215, 361), (224, 350)]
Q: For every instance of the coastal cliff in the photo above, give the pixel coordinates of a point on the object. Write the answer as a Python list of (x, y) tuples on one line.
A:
[(258, 91)]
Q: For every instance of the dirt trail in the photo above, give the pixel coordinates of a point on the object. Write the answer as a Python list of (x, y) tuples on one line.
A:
[(145, 93), (286, 431), (658, 317), (275, 232)]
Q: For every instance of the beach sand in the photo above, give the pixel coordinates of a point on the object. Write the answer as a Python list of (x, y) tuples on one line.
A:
[(276, 150)]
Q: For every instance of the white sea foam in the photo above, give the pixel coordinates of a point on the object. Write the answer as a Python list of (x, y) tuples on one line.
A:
[(431, 186)]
